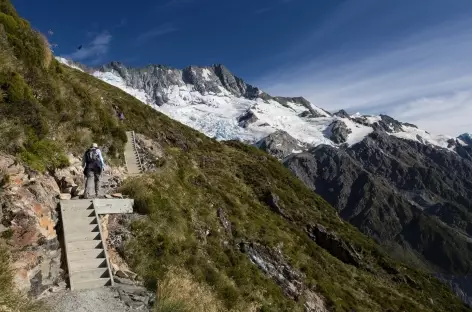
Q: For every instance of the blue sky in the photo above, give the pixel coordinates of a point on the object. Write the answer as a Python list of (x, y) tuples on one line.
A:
[(411, 59)]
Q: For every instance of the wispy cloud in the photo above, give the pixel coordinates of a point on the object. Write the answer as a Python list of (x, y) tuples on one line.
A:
[(425, 78), (94, 51), (156, 32)]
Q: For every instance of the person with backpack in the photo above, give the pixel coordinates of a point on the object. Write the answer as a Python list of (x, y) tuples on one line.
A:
[(93, 166)]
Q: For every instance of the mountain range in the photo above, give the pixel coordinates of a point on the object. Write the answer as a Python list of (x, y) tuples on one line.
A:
[(218, 224), (408, 189)]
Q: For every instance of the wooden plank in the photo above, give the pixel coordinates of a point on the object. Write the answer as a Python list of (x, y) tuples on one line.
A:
[(104, 244), (108, 206)]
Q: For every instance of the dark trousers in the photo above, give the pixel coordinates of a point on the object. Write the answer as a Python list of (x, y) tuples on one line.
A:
[(92, 177)]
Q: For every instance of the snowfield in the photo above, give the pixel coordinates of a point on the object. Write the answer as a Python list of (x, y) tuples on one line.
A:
[(217, 114)]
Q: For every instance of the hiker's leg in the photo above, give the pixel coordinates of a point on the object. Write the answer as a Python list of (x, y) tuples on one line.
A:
[(88, 183), (97, 182)]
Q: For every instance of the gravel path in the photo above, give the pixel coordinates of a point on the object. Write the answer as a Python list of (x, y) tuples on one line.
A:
[(95, 300)]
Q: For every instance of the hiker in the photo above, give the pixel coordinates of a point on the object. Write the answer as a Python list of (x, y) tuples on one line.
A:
[(121, 116), (93, 166)]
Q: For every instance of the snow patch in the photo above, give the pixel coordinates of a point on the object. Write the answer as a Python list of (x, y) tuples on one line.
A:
[(118, 82), (358, 131), (422, 136), (68, 63), (206, 73), (373, 119)]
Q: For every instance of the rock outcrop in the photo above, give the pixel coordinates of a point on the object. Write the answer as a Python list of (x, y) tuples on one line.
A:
[(339, 132), (342, 113), (334, 245), (400, 192), (273, 264), (28, 221), (280, 145), (247, 118)]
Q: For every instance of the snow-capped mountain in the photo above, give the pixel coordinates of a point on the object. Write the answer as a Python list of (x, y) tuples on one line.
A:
[(466, 139), (212, 100), (406, 188)]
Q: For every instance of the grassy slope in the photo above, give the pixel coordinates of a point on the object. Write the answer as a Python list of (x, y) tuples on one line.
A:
[(47, 109)]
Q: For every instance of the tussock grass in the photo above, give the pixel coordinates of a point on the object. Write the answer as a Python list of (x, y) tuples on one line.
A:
[(11, 300), (178, 291)]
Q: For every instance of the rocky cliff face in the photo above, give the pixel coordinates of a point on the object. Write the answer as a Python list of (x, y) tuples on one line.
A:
[(413, 198)]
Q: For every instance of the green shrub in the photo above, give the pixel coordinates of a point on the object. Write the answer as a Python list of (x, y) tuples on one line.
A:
[(14, 88), (9, 22), (44, 155)]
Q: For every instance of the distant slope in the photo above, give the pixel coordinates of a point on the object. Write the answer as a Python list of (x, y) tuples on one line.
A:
[(239, 222)]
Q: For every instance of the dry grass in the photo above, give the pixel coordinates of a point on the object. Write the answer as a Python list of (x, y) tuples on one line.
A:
[(10, 299), (46, 50), (179, 292)]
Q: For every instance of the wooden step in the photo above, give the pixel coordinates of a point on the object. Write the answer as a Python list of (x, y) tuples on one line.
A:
[(84, 245), (87, 275), (86, 254), (87, 264), (91, 284)]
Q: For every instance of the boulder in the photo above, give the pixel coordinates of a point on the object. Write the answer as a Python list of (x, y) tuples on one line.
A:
[(273, 201), (334, 245), (65, 196)]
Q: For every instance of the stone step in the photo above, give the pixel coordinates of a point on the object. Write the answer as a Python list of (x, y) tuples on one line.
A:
[(88, 275), (75, 237), (87, 264), (84, 245), (86, 254), (95, 283)]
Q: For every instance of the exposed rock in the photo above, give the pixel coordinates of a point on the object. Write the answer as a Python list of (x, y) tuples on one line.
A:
[(409, 125), (312, 113), (280, 144), (65, 196), (117, 195), (399, 193), (388, 124), (274, 265), (339, 132), (314, 302), (29, 212), (151, 153), (247, 118), (334, 245), (224, 221), (122, 274), (135, 297), (68, 179), (466, 138), (273, 201), (342, 113)]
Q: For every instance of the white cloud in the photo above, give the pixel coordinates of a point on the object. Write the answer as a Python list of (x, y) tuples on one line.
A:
[(156, 32), (425, 79), (94, 51)]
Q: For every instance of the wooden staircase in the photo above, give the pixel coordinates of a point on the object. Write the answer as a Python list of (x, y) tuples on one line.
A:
[(132, 159), (86, 254)]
